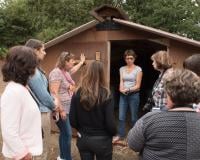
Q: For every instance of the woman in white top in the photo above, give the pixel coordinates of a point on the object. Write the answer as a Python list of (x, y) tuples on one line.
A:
[(20, 115), (130, 82)]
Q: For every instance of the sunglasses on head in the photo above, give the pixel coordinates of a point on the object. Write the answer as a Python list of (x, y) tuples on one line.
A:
[(65, 54)]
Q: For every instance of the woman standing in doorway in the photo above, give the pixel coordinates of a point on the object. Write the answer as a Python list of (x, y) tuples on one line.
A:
[(130, 82), (62, 87)]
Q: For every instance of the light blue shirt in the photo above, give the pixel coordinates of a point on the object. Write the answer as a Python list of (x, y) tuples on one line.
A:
[(39, 86), (129, 79)]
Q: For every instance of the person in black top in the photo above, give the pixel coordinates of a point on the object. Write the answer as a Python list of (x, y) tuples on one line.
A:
[(92, 114)]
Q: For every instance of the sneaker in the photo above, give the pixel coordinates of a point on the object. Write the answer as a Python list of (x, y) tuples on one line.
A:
[(58, 158)]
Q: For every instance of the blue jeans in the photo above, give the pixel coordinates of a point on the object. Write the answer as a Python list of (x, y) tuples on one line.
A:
[(130, 101), (65, 138)]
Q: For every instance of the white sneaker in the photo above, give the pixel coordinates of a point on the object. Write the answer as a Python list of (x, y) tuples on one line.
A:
[(58, 158)]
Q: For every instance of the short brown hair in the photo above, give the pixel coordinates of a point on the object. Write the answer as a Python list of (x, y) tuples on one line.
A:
[(19, 65), (34, 43), (162, 60), (129, 52), (183, 87), (193, 63), (64, 56)]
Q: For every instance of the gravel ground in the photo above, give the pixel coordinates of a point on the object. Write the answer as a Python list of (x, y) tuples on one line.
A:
[(119, 152)]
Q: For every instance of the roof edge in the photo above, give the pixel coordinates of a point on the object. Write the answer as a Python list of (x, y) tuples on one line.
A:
[(158, 32), (71, 33)]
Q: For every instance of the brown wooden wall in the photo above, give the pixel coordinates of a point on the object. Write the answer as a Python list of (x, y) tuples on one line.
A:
[(179, 52), (88, 48), (90, 41)]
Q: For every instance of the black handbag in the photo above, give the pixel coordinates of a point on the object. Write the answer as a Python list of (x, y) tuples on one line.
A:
[(149, 104)]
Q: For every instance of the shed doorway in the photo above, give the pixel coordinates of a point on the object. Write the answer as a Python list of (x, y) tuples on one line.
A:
[(144, 49)]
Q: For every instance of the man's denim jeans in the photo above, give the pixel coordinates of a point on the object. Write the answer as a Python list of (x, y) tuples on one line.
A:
[(130, 101), (65, 138)]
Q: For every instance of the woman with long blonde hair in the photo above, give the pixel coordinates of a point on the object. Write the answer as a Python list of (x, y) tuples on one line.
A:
[(92, 114)]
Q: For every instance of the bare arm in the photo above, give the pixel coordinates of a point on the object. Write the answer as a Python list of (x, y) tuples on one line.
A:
[(121, 85), (138, 82), (77, 67), (54, 87)]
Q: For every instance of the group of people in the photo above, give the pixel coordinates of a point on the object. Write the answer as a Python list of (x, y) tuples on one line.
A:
[(30, 98), (172, 134), (130, 83)]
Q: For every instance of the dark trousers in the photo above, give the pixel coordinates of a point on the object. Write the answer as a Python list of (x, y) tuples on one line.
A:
[(95, 146)]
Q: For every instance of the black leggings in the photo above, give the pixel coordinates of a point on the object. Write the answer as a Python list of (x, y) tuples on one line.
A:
[(91, 146)]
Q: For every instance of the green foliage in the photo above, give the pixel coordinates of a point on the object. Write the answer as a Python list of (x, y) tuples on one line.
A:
[(175, 16), (3, 52), (47, 19), (51, 18)]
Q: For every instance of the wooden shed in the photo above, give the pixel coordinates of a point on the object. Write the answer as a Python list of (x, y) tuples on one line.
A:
[(109, 35)]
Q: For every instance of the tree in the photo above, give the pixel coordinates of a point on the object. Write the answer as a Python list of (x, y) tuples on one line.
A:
[(46, 19), (15, 24), (175, 16)]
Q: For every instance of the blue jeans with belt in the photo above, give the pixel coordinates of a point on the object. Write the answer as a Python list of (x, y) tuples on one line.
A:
[(130, 101), (65, 138)]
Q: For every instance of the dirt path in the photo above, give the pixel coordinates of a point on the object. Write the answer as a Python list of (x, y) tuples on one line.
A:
[(119, 153)]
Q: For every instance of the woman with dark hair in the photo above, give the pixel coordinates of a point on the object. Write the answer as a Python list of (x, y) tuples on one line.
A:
[(92, 114), (38, 84), (62, 87), (193, 63), (173, 134), (130, 82), (20, 115)]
